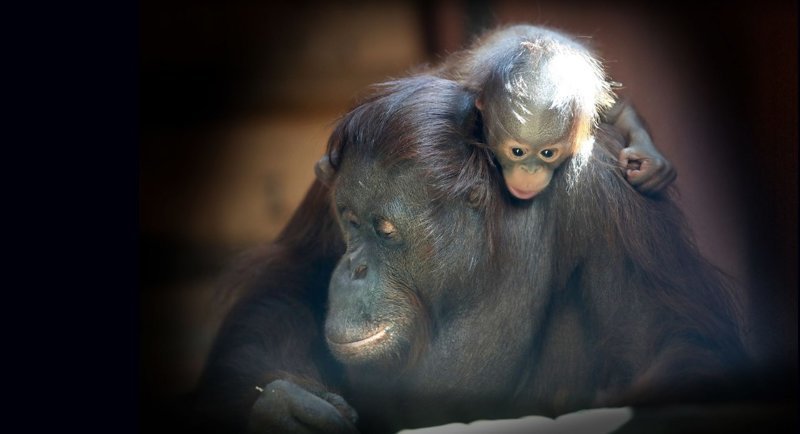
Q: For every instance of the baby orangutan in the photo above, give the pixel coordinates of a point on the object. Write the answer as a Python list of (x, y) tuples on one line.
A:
[(541, 96)]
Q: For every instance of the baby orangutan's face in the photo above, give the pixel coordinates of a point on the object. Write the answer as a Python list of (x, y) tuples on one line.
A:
[(527, 169), (530, 140)]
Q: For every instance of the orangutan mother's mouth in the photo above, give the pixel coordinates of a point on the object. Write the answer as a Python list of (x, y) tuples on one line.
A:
[(376, 337)]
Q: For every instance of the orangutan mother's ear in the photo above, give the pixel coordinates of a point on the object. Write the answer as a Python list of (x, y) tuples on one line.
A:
[(325, 171)]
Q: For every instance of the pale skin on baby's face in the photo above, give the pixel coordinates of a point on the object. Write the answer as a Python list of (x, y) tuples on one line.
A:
[(528, 161), (528, 169)]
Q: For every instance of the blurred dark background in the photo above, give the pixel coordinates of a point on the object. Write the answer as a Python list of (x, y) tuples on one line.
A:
[(237, 100)]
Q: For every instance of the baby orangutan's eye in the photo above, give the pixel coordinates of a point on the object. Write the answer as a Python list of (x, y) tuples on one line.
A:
[(548, 154), (386, 229), (518, 152)]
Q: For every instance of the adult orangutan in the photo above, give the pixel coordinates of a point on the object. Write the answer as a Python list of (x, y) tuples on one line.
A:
[(408, 291)]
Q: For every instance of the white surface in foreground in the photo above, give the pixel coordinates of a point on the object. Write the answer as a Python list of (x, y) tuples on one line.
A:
[(595, 421)]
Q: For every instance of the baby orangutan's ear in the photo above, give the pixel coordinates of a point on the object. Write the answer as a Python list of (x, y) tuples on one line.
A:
[(325, 171), (479, 103), (477, 196)]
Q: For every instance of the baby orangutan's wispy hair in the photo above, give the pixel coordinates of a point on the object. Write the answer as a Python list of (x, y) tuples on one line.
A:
[(549, 69)]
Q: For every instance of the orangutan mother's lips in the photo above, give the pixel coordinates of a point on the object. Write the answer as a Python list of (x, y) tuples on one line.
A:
[(376, 337), (522, 194)]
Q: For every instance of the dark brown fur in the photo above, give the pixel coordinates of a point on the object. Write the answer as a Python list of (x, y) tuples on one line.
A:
[(590, 295)]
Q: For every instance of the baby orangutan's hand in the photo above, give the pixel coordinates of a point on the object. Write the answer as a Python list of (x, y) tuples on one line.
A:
[(645, 168)]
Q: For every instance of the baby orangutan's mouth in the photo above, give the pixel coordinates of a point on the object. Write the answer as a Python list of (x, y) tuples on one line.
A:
[(522, 194)]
